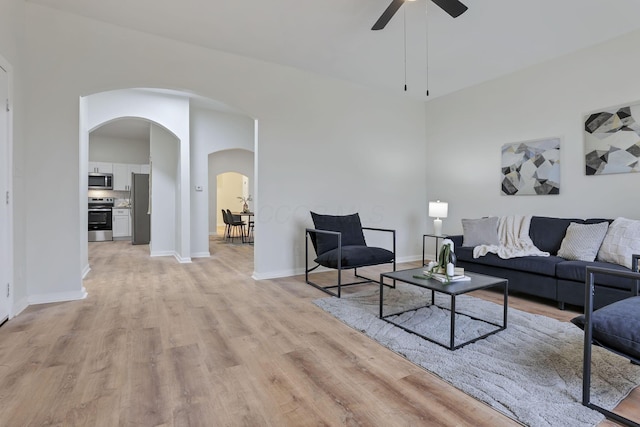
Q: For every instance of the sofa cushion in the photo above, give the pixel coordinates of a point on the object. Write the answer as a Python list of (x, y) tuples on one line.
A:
[(531, 264), (582, 241), (348, 225), (577, 271), (621, 242), (617, 326), (355, 256), (547, 233), (482, 231)]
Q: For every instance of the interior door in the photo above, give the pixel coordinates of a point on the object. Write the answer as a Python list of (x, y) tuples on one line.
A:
[(5, 257)]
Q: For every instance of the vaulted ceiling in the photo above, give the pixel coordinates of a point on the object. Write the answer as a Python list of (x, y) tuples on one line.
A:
[(334, 38)]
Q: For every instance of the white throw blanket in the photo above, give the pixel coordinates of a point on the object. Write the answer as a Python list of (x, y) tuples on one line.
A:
[(513, 232)]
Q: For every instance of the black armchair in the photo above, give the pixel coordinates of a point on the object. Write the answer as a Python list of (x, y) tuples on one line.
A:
[(339, 244), (615, 327)]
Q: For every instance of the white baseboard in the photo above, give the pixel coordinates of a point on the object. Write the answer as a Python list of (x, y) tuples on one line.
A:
[(182, 260), (201, 255), (58, 297), (275, 274), (86, 271), (161, 253), (300, 271), (18, 307)]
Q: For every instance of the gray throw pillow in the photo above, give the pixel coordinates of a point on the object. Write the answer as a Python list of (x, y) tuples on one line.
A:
[(582, 241), (483, 231)]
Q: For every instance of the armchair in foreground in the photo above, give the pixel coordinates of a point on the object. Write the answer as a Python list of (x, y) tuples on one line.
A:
[(339, 244), (614, 327)]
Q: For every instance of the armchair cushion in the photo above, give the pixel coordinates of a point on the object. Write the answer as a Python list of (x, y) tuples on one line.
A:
[(348, 225), (355, 256), (617, 326)]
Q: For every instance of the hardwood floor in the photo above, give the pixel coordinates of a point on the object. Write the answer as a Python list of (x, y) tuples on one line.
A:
[(158, 343)]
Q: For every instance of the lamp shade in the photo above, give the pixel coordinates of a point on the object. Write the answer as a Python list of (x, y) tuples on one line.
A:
[(438, 209)]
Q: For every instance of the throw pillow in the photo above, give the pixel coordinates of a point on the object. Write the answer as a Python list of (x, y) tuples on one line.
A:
[(483, 231), (348, 225), (582, 241), (621, 242)]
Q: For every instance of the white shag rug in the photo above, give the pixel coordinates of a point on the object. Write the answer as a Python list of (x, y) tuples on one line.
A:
[(531, 371)]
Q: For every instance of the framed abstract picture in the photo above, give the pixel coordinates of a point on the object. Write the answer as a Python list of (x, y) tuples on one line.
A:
[(612, 140), (531, 167)]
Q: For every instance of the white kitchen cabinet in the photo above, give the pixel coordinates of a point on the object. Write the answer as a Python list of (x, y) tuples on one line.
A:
[(133, 169), (120, 182), (100, 167), (121, 222), (122, 175)]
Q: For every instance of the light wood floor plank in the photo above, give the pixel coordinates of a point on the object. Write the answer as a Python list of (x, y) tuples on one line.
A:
[(158, 343)]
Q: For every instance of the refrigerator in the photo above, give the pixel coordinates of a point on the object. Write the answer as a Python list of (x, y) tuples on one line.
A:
[(140, 217)]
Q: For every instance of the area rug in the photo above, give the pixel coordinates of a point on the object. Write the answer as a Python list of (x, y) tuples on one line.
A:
[(531, 372)]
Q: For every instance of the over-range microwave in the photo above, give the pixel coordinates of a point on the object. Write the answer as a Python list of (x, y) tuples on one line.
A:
[(100, 181)]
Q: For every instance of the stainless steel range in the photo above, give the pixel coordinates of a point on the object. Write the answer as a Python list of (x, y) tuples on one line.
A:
[(100, 219)]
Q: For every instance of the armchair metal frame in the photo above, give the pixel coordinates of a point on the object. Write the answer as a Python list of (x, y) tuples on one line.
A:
[(340, 285), (588, 336)]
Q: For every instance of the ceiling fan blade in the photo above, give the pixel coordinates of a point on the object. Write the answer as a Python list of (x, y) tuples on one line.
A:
[(452, 7), (387, 14)]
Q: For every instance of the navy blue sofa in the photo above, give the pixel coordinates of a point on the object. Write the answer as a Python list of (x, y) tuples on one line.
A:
[(551, 277)]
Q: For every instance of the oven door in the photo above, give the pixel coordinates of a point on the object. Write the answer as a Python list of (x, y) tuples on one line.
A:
[(100, 225)]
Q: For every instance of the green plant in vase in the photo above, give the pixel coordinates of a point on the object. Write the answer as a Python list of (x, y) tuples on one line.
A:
[(446, 261)]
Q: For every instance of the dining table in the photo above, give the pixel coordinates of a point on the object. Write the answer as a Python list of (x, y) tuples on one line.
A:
[(249, 215)]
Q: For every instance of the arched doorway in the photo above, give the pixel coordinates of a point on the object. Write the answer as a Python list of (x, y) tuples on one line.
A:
[(200, 126), (231, 175)]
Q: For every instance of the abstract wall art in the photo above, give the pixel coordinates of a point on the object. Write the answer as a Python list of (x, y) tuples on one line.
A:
[(612, 140), (531, 168)]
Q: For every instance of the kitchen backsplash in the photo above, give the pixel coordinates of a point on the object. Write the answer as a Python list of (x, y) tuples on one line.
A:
[(120, 198)]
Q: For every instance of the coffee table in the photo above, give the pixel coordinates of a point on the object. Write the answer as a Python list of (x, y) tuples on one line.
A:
[(477, 282)]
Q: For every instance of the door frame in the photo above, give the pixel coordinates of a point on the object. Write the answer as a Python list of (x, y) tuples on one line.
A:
[(8, 164)]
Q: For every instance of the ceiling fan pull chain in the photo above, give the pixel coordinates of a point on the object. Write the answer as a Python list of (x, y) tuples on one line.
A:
[(405, 49), (426, 31)]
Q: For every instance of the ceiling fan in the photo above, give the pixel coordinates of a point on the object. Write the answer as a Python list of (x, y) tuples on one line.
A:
[(452, 7)]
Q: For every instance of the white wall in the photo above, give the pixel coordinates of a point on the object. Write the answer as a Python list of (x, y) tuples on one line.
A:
[(165, 220), (118, 150), (466, 130), (214, 132), (324, 144), (11, 37)]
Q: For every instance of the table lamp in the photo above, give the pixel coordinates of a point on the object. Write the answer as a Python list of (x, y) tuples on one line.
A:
[(438, 210)]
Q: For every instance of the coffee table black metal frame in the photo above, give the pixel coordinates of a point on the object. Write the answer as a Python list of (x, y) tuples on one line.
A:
[(477, 282)]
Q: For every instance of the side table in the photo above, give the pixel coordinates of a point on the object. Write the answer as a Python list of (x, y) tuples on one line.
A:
[(435, 236)]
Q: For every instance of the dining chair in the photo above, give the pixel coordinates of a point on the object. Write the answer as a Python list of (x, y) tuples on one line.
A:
[(235, 222), (250, 231), (227, 225)]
